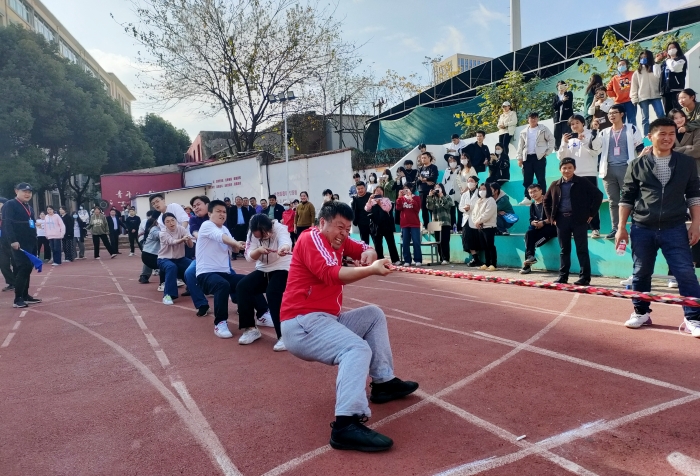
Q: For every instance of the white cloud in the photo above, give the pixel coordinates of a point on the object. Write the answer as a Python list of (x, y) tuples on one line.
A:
[(372, 29), (451, 42), (632, 9), (486, 18)]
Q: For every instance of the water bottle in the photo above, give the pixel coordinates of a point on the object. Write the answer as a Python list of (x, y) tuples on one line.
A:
[(621, 247), (454, 228)]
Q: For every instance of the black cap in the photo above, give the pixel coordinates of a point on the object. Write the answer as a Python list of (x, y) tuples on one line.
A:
[(3, 200), (227, 199), (24, 186)]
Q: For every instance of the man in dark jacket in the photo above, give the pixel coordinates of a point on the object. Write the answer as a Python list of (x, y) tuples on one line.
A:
[(132, 224), (478, 152), (6, 256), (274, 210), (540, 230), (361, 219), (115, 225), (237, 220), (67, 240), (427, 178), (562, 109), (19, 227), (659, 187), (571, 203)]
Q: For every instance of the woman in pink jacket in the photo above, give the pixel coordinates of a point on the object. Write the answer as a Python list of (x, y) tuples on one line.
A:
[(55, 230)]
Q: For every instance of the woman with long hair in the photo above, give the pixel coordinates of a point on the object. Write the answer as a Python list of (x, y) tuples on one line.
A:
[(100, 231), (674, 68), (440, 204), (594, 82), (484, 216), (645, 90), (151, 246)]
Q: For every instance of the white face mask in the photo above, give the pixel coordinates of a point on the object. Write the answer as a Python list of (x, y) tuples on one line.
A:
[(385, 177), (453, 165), (499, 152), (482, 193), (471, 185), (464, 162), (672, 51)]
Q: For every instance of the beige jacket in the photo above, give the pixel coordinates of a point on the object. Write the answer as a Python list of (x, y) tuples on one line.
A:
[(507, 120), (645, 85), (485, 211)]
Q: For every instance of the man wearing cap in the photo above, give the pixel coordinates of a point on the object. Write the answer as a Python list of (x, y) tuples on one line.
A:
[(453, 147), (19, 228), (6, 256), (507, 122)]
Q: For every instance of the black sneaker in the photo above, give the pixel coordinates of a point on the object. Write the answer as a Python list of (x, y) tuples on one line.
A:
[(357, 436), (475, 263), (186, 293), (20, 304), (202, 311), (391, 390), (582, 282), (561, 280), (9, 287), (530, 260), (143, 279), (32, 300), (611, 235), (526, 270)]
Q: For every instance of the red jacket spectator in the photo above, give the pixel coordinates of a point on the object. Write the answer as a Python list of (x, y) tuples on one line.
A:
[(620, 86), (409, 206), (288, 219)]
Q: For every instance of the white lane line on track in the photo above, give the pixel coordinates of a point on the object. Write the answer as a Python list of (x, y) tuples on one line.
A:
[(392, 309), (395, 282), (684, 464), (195, 422), (7, 340), (417, 406), (16, 326), (564, 438), (23, 313)]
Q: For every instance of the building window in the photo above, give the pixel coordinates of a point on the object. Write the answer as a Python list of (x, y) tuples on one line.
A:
[(68, 53), (20, 9), (43, 29)]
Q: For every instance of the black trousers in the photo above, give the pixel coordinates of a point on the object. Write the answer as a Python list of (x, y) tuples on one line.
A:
[(560, 128), (443, 237), (96, 244), (671, 101), (487, 236), (134, 239), (68, 248), (388, 235), (566, 227), (222, 286), (534, 168), (425, 213), (114, 241), (595, 222), (538, 237), (151, 260), (504, 140), (42, 241), (364, 232), (23, 269), (6, 264), (258, 282)]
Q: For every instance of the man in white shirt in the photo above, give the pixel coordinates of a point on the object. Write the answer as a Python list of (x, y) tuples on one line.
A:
[(214, 243), (536, 142), (157, 201), (454, 147)]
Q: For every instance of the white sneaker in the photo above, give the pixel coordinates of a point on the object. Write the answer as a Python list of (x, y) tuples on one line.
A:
[(279, 346), (638, 320), (265, 320), (161, 288), (180, 283), (131, 254), (249, 336), (417, 264), (445, 262), (221, 330), (526, 202), (672, 283), (155, 272), (55, 264), (626, 282), (398, 263), (691, 327), (167, 300)]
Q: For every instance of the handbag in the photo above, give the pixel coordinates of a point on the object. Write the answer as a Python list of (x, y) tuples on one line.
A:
[(511, 218)]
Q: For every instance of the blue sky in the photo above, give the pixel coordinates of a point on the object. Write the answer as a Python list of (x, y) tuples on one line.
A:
[(394, 34)]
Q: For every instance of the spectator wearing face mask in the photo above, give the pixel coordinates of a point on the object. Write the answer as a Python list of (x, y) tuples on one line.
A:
[(408, 205), (484, 215), (599, 108), (470, 234), (563, 108), (449, 183), (503, 207), (372, 182), (619, 89), (674, 67), (499, 166), (440, 204), (645, 90), (382, 224), (507, 122), (584, 146)]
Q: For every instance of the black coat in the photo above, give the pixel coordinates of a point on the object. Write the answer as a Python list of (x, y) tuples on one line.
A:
[(477, 155), (563, 110), (131, 223), (110, 224), (585, 199), (68, 222), (670, 81), (232, 217), (358, 208), (279, 210)]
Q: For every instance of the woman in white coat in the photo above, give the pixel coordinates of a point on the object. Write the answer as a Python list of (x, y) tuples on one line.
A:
[(645, 90), (507, 122), (484, 216), (470, 234)]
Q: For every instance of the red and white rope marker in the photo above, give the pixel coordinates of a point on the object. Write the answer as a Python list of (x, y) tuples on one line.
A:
[(622, 293)]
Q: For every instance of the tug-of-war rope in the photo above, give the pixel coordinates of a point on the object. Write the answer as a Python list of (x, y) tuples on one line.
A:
[(618, 293)]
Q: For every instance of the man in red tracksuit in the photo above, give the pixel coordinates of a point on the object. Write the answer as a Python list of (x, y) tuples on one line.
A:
[(357, 341)]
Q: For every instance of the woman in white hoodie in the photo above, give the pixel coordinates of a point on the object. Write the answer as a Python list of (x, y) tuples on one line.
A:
[(583, 146), (645, 90), (484, 216), (507, 122), (270, 247)]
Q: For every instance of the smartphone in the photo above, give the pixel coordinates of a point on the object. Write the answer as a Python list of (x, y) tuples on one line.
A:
[(574, 135)]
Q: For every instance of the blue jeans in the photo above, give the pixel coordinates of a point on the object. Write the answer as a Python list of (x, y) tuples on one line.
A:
[(408, 234), (198, 297), (644, 107), (55, 244), (675, 247), (172, 269), (630, 112)]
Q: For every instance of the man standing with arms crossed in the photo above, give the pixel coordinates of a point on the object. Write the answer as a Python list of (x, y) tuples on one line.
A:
[(659, 186), (357, 341), (19, 228)]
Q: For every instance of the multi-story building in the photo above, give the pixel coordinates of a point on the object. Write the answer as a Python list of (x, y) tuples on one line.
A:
[(455, 64), (32, 14)]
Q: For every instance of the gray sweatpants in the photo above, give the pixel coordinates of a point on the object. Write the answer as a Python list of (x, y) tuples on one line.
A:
[(613, 182), (357, 342)]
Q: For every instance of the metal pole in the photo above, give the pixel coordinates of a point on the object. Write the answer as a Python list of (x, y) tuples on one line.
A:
[(515, 38), (286, 148)]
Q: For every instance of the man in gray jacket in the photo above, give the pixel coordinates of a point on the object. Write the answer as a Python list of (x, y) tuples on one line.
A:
[(536, 142), (659, 187)]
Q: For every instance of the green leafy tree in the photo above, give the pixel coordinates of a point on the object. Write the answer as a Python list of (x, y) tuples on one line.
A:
[(168, 143), (524, 96)]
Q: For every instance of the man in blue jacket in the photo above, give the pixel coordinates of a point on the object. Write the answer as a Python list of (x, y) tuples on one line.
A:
[(659, 187)]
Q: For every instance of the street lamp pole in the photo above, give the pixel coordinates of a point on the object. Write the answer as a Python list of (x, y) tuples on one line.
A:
[(283, 98)]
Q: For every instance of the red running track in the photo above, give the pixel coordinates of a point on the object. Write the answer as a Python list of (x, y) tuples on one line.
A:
[(101, 378)]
